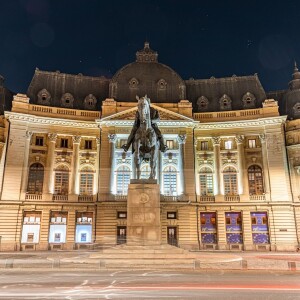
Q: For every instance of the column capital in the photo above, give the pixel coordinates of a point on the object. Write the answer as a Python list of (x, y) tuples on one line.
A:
[(181, 138), (112, 137), (29, 134), (262, 137), (52, 137), (76, 139), (216, 140), (97, 141), (239, 139)]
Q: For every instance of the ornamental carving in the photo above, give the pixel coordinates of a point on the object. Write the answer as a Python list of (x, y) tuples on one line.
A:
[(76, 139), (274, 143), (216, 140), (181, 138), (225, 102), (28, 134), (262, 138), (133, 83), (112, 138), (296, 109), (144, 198), (162, 84), (52, 137), (239, 139)]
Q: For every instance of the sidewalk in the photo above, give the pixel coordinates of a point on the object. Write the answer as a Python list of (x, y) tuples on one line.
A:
[(197, 260)]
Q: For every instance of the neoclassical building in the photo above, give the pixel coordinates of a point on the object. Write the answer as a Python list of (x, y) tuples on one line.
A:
[(230, 179)]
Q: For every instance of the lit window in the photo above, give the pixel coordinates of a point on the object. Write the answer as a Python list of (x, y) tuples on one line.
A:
[(122, 215), (39, 141), (86, 182), (35, 179), (255, 180), (172, 215), (87, 144), (252, 143), (228, 145), (206, 182), (230, 181), (123, 179), (170, 181), (204, 145), (64, 143), (61, 181), (170, 144)]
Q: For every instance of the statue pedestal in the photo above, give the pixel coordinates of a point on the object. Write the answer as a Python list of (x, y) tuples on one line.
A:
[(143, 213)]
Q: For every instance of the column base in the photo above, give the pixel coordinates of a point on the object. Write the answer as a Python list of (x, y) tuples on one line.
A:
[(219, 198)]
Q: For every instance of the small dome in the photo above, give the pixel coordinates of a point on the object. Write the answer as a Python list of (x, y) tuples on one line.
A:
[(146, 76)]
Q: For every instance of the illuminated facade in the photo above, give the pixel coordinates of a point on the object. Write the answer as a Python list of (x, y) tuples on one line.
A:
[(230, 179)]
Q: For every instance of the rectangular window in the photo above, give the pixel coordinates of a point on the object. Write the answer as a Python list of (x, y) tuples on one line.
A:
[(172, 215), (57, 237), (252, 143), (206, 184), (204, 145), (64, 143), (83, 237), (208, 228), (234, 230), (122, 215), (86, 183), (170, 144), (88, 144), (39, 141), (30, 237), (228, 145), (260, 228)]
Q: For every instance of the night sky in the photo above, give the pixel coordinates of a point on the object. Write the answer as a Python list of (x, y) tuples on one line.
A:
[(197, 39)]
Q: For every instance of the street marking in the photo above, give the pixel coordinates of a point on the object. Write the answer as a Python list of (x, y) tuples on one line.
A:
[(113, 274)]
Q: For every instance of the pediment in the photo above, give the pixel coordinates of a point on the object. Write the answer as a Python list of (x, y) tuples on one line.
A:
[(165, 115)]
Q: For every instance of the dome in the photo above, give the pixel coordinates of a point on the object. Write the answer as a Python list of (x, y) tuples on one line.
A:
[(146, 76)]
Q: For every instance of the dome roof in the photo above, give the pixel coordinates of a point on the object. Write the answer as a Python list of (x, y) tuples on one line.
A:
[(146, 76)]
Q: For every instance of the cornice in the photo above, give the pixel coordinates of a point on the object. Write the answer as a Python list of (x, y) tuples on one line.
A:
[(12, 116)]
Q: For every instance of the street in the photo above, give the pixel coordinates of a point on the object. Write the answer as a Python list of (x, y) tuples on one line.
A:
[(139, 284)]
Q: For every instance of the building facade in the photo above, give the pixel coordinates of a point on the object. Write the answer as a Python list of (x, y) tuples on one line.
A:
[(230, 179)]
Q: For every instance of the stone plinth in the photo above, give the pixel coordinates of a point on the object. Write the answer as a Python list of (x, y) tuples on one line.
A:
[(143, 213)]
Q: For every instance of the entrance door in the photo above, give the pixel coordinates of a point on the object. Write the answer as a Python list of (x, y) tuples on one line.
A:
[(172, 236), (121, 235)]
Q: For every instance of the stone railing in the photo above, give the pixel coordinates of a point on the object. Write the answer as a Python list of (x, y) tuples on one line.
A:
[(86, 198), (257, 197), (120, 197), (207, 198), (245, 114), (60, 198), (34, 197), (172, 198), (232, 198)]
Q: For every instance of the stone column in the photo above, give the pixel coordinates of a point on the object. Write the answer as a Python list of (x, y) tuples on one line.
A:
[(112, 140), (25, 165), (242, 182), (181, 139), (247, 230), (75, 165), (216, 144), (49, 174), (262, 138), (96, 181), (221, 231)]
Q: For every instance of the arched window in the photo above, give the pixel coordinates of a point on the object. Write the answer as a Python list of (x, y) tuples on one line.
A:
[(35, 179), (170, 181), (145, 171), (86, 181), (206, 182), (256, 186), (123, 179), (230, 181), (61, 181)]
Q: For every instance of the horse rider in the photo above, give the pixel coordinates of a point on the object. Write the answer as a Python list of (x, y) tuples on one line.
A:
[(154, 116)]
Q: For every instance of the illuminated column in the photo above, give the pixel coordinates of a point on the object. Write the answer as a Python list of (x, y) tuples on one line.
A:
[(221, 232), (216, 143), (262, 138), (242, 184), (25, 164), (181, 138), (112, 140), (96, 186), (49, 174), (75, 165)]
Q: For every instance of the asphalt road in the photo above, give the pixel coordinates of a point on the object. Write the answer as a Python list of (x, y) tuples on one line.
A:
[(74, 285)]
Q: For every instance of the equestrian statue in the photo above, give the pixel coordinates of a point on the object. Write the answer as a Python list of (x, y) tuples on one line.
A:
[(145, 137)]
